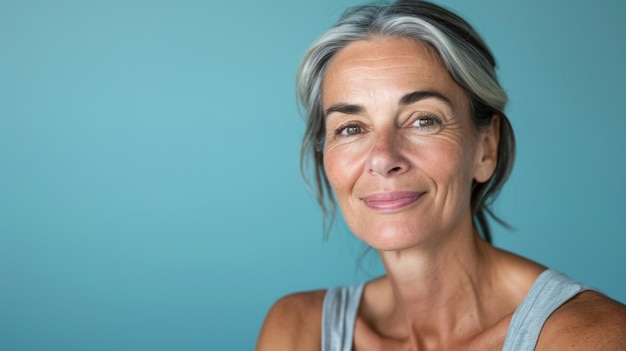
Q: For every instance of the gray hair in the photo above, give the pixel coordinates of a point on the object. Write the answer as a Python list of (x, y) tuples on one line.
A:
[(460, 49)]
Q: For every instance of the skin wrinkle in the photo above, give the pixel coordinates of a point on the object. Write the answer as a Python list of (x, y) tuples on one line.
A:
[(445, 287), (408, 99), (440, 162), (440, 48)]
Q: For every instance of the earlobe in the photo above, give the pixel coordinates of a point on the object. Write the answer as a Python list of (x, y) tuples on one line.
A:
[(487, 153)]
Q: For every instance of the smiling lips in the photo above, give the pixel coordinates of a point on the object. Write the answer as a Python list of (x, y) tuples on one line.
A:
[(391, 201)]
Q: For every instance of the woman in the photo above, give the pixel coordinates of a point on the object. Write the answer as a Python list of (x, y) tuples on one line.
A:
[(406, 125)]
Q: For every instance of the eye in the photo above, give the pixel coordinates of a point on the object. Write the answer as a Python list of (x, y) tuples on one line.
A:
[(348, 129), (427, 123)]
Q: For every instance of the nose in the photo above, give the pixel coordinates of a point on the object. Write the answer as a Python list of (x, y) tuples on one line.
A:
[(386, 158)]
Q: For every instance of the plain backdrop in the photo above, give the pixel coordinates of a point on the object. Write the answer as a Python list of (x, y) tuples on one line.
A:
[(150, 195)]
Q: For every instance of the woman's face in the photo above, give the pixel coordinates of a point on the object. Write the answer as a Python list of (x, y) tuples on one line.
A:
[(401, 152)]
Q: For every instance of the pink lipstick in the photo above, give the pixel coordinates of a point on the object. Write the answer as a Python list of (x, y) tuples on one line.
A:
[(391, 201)]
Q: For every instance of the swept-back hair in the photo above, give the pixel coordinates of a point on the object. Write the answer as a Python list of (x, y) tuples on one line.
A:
[(460, 49)]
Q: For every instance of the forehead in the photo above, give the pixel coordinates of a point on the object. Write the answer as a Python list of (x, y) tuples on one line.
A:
[(388, 66)]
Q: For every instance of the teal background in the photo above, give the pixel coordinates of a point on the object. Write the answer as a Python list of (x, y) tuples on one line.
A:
[(150, 196)]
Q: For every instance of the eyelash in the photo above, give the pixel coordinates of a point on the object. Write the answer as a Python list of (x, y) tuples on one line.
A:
[(342, 128), (436, 123)]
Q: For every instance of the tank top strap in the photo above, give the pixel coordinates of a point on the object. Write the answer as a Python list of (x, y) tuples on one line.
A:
[(339, 311), (550, 291)]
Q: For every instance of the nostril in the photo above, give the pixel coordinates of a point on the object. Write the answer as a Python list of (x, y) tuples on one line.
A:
[(395, 169), (385, 158)]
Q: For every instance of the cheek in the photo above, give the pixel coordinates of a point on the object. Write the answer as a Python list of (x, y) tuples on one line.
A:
[(342, 167), (330, 168), (453, 164), (334, 169)]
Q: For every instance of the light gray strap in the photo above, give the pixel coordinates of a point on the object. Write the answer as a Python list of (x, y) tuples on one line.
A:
[(339, 311), (550, 291)]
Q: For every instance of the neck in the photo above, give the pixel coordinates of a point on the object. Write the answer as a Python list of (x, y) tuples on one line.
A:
[(439, 291)]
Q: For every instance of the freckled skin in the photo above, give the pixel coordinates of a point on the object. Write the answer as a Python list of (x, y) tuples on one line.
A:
[(397, 123), (389, 152), (444, 288)]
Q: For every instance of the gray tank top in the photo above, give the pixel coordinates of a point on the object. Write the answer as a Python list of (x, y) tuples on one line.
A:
[(551, 290)]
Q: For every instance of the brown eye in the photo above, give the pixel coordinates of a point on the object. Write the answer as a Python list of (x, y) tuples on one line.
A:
[(352, 130), (347, 130), (425, 122)]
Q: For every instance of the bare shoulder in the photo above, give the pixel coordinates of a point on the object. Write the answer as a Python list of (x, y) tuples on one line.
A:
[(589, 321), (293, 323)]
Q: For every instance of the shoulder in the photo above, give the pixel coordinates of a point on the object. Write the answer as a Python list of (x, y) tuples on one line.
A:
[(293, 323), (589, 321)]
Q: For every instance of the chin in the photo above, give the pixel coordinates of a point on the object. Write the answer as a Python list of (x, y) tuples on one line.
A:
[(390, 236)]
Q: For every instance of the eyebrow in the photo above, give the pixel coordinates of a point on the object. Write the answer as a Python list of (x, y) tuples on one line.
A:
[(347, 109), (407, 99), (416, 96)]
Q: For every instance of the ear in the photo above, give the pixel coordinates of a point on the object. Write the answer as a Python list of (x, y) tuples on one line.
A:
[(487, 150)]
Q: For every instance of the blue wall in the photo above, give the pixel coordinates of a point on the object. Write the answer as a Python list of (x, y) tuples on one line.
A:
[(150, 196)]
